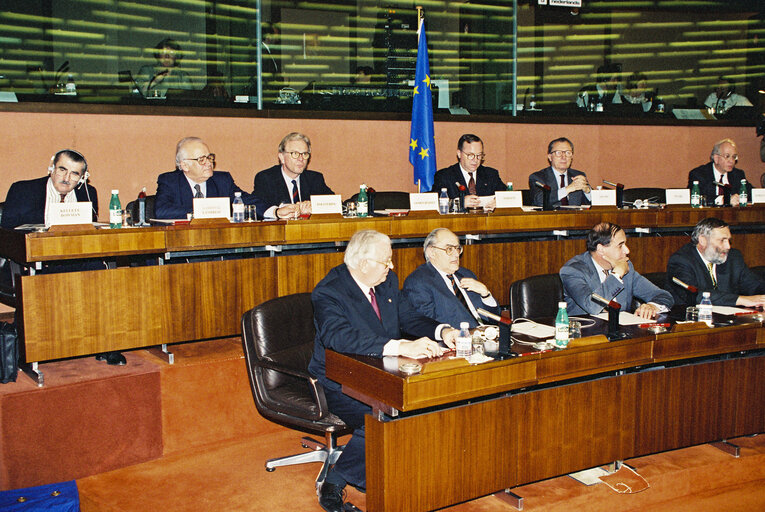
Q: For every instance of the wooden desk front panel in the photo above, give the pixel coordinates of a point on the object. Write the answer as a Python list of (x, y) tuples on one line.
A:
[(682, 345), (100, 243), (248, 234)]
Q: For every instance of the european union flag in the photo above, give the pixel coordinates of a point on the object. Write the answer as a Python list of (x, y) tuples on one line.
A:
[(422, 147)]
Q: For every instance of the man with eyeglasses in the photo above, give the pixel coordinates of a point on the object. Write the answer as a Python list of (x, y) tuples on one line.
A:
[(286, 188), (27, 201), (441, 289), (470, 174), (194, 177), (720, 169), (568, 187), (358, 309)]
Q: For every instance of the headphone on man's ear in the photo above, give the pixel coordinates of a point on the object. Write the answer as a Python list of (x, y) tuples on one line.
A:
[(85, 174)]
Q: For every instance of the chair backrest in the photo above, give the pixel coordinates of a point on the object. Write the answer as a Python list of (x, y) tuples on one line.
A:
[(2, 207), (760, 271), (527, 197), (536, 296), (656, 195), (132, 208), (657, 278), (762, 180), (389, 199)]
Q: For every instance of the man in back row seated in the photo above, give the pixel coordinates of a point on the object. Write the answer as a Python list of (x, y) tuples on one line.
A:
[(605, 269), (286, 188), (709, 264), (568, 187), (470, 173), (720, 169), (443, 290)]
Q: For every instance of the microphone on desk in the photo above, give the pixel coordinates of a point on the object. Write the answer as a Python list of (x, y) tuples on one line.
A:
[(546, 204), (542, 185), (619, 187), (688, 287), (494, 317), (612, 184), (161, 73), (726, 188), (613, 308)]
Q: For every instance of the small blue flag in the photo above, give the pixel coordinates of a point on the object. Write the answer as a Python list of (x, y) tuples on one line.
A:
[(422, 147)]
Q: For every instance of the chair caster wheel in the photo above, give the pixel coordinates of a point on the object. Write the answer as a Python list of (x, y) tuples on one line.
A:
[(270, 470)]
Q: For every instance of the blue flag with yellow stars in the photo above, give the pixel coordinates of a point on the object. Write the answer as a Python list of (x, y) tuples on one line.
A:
[(422, 147)]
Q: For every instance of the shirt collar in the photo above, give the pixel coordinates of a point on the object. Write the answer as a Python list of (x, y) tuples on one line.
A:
[(193, 184)]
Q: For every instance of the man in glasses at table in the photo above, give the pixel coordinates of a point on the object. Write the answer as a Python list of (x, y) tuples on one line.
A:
[(194, 177), (286, 188), (721, 169), (568, 187), (442, 290), (470, 173)]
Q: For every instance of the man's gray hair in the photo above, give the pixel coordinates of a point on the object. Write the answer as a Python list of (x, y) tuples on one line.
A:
[(705, 227), (430, 241), (294, 136), (716, 147), (180, 152), (362, 246)]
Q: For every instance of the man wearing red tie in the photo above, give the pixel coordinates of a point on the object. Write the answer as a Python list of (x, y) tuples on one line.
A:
[(568, 187), (720, 169)]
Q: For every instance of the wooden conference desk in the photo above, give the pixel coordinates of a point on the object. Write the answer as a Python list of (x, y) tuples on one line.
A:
[(440, 438), (183, 283)]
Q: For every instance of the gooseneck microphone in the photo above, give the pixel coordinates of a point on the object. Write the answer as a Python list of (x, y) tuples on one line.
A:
[(494, 317), (542, 185), (686, 286)]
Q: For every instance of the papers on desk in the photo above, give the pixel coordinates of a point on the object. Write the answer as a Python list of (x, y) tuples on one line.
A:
[(531, 208), (31, 227), (533, 329), (730, 311), (626, 318)]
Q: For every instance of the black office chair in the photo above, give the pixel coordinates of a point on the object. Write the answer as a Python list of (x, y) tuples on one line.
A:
[(762, 180), (656, 195), (278, 337), (536, 296), (527, 198), (7, 285), (657, 278), (760, 271), (388, 200), (132, 208)]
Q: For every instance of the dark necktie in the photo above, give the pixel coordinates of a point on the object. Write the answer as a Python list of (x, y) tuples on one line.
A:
[(606, 272), (199, 193), (563, 201), (63, 197), (296, 196), (458, 292), (471, 184), (374, 301)]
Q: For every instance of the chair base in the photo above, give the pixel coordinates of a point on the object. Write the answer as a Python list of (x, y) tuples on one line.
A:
[(327, 453)]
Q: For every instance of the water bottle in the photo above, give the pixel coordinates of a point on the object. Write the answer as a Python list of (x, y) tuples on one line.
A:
[(533, 102), (695, 195), (464, 342), (115, 210), (510, 186), (705, 309), (238, 207), (443, 202), (561, 326), (71, 88), (141, 207), (742, 195), (362, 202)]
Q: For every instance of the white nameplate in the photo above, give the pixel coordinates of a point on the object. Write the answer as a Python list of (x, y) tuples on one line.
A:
[(509, 199), (212, 208), (70, 213), (423, 202), (603, 197), (758, 195), (326, 204), (678, 196)]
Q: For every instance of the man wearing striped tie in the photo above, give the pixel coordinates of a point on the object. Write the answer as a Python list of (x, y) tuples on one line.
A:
[(709, 264), (287, 187)]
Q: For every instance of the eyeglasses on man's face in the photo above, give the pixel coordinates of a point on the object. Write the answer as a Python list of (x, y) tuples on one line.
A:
[(299, 154), (559, 153), (204, 158), (728, 157), (450, 250), (474, 156), (388, 263)]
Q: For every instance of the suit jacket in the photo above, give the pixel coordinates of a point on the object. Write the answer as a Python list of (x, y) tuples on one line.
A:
[(549, 177), (487, 181), (581, 279), (175, 200), (427, 292), (705, 175), (25, 203), (733, 277), (346, 322), (272, 191)]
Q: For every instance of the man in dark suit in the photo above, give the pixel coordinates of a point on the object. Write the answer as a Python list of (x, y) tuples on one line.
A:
[(721, 169), (27, 201), (194, 177), (709, 264), (441, 289), (470, 174), (567, 186), (605, 269), (358, 309), (286, 188)]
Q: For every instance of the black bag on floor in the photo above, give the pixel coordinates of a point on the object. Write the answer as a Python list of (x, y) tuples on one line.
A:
[(9, 353)]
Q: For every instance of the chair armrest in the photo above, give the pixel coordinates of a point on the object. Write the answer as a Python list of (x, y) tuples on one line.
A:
[(316, 388)]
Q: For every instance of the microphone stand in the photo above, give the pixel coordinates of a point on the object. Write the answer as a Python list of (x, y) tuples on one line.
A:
[(546, 204), (613, 309), (619, 187)]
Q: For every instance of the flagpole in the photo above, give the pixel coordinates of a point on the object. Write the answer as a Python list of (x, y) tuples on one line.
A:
[(420, 17)]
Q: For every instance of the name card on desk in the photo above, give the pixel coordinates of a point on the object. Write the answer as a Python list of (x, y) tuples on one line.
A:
[(758, 195), (326, 204), (70, 213), (603, 197), (509, 199), (212, 208), (426, 201), (678, 196)]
